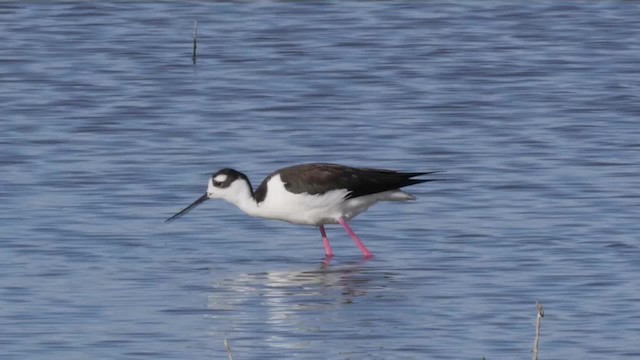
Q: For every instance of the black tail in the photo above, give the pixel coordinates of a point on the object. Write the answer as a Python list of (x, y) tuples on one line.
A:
[(373, 181)]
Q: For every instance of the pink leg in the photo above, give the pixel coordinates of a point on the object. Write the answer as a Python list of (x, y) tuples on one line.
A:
[(325, 242), (359, 244)]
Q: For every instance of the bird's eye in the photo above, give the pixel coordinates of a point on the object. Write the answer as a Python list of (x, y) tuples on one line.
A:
[(217, 183)]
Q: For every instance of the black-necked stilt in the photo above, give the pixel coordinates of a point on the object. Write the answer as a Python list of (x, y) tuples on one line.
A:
[(311, 194)]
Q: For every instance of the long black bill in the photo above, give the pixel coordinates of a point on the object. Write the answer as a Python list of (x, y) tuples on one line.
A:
[(200, 200)]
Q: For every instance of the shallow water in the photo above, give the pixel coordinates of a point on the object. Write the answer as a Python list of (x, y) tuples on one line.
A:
[(107, 128)]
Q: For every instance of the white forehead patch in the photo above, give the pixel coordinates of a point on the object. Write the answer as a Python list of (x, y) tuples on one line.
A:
[(220, 178)]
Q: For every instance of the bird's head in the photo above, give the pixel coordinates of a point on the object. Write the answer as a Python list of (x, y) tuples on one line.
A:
[(226, 184)]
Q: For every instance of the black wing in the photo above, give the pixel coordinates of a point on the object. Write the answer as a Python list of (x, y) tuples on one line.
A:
[(320, 178)]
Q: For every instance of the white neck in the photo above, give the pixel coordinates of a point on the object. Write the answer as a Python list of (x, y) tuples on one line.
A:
[(240, 195)]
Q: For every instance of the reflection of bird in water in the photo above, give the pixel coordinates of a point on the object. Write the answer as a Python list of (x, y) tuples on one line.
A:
[(289, 290), (285, 310), (311, 194)]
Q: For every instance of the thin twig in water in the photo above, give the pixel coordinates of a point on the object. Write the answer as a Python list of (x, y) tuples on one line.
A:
[(537, 339), (227, 348), (195, 35)]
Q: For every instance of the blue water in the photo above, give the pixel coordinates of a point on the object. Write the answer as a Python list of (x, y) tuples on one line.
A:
[(107, 129)]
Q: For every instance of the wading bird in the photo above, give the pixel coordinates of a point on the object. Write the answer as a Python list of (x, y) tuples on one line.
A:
[(311, 194)]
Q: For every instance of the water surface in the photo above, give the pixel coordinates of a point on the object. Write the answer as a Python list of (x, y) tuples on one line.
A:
[(107, 128)]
